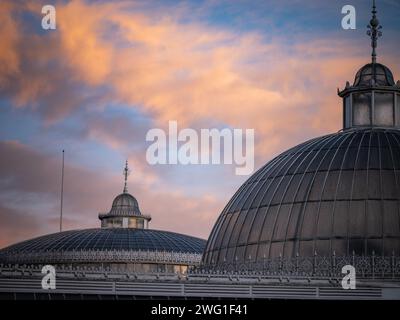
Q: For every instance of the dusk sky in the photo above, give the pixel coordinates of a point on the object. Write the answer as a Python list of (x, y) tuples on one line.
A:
[(112, 70)]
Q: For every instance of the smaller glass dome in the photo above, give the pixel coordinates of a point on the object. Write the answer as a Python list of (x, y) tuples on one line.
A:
[(380, 74), (126, 201)]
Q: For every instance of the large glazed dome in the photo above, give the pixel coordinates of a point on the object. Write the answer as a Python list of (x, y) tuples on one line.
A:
[(336, 194), (106, 245)]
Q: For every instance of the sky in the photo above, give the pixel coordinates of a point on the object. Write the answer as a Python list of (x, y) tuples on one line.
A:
[(113, 70)]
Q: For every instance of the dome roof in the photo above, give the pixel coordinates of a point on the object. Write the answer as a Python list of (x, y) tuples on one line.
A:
[(125, 200), (335, 194), (125, 204), (102, 245), (380, 73)]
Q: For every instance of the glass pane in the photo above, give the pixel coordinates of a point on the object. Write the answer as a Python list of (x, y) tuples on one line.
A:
[(398, 110), (248, 223), (374, 218), (324, 229), (308, 228), (383, 109), (281, 223), (361, 109), (357, 218), (228, 231), (347, 112), (257, 225)]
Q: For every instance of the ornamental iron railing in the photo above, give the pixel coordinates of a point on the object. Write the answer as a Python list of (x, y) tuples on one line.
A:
[(101, 256), (373, 266)]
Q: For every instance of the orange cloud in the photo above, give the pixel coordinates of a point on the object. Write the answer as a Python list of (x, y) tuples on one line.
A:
[(190, 72)]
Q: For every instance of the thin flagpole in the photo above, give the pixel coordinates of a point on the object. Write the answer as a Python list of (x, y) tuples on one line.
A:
[(62, 191)]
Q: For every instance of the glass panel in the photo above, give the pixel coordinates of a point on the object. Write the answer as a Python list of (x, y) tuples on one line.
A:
[(330, 185), (389, 187), (283, 184), (347, 112), (398, 110), (360, 180), (357, 218), (323, 247), (231, 238), (240, 253), (383, 109), (306, 248), (281, 223), (340, 247), (263, 250), (345, 183), (374, 218), (288, 249), (340, 219), (248, 223), (294, 216), (293, 186), (270, 192), (268, 223), (258, 222), (374, 245), (361, 109), (132, 223), (308, 227), (140, 223), (374, 186), (276, 249), (221, 233), (391, 218), (357, 246), (317, 185), (251, 252), (228, 230), (324, 229)]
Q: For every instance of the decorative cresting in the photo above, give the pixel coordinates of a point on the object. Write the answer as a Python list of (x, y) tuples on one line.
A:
[(104, 256), (125, 212), (369, 267), (374, 98)]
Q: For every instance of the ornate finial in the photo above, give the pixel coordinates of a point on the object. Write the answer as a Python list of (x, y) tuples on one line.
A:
[(374, 31), (126, 174)]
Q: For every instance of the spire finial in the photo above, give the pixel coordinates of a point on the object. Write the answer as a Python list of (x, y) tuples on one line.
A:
[(126, 174), (374, 31)]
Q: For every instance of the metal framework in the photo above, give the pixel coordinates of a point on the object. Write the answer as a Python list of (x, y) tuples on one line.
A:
[(104, 256), (367, 267), (337, 193)]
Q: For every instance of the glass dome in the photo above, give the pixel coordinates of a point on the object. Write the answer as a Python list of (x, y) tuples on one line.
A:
[(336, 194), (380, 74), (126, 201), (112, 245)]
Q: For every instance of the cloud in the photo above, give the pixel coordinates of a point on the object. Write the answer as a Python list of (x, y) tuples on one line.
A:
[(171, 69), (30, 190)]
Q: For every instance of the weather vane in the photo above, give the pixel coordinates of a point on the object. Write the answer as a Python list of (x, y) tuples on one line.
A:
[(126, 174), (374, 31)]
